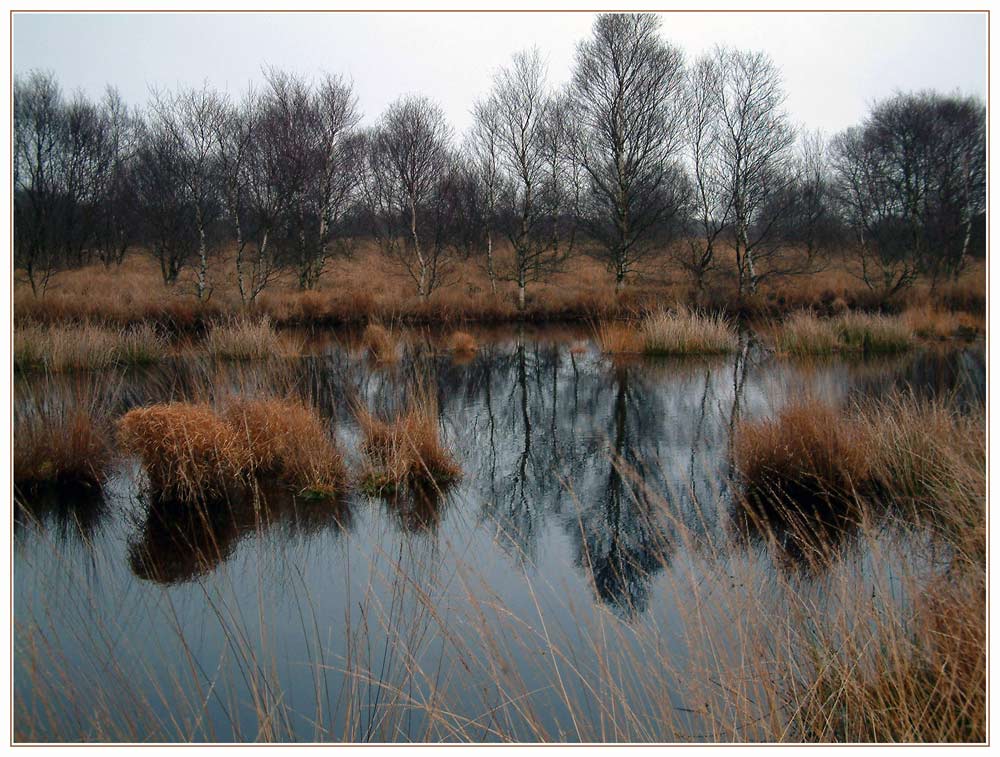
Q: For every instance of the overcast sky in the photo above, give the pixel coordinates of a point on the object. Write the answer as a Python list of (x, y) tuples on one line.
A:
[(834, 64)]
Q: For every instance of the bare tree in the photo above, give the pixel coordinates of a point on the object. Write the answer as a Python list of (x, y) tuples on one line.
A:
[(756, 141), (318, 162), (38, 138), (116, 224), (192, 119), (408, 166), (483, 148), (711, 201), (626, 90), (520, 100)]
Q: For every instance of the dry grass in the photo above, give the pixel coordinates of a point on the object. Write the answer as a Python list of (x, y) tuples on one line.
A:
[(686, 332), (380, 343), (407, 450), (462, 343), (802, 333), (930, 322), (60, 440), (810, 448), (873, 333), (188, 451), (287, 439), (245, 338), (75, 347), (618, 338)]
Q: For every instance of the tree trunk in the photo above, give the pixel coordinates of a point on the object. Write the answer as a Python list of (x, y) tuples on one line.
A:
[(489, 262), (202, 258)]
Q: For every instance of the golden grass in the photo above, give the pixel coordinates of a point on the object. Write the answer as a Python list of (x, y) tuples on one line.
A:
[(407, 450), (808, 448), (686, 332), (286, 438), (462, 343), (930, 322), (869, 332), (380, 343), (802, 333), (188, 451), (74, 347), (366, 288), (618, 338), (245, 338)]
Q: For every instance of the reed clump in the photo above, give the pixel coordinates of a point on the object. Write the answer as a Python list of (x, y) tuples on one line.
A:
[(802, 333), (286, 439), (380, 343), (808, 450), (462, 343), (686, 332), (188, 451), (59, 348), (405, 451), (56, 444), (869, 332), (245, 338), (618, 338)]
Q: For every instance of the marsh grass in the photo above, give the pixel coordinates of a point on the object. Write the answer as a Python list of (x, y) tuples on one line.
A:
[(188, 451), (247, 338), (381, 343), (406, 450), (286, 438), (76, 347), (883, 644), (802, 333), (62, 438), (678, 332), (686, 332), (867, 332)]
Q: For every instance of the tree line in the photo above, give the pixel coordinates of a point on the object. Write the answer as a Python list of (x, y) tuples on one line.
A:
[(641, 156)]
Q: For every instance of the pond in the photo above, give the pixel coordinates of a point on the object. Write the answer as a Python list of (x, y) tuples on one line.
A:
[(576, 584)]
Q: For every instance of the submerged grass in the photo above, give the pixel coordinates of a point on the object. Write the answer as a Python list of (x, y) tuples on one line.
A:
[(380, 342)]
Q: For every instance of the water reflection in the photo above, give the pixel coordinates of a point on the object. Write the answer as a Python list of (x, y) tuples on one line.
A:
[(612, 455), (177, 541)]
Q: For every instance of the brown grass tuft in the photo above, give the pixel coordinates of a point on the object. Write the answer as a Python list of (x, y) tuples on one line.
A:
[(287, 439), (462, 343), (243, 338), (406, 450), (187, 450), (809, 449), (59, 445), (380, 343)]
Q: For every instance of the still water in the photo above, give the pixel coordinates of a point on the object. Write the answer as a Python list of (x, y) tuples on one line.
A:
[(590, 488)]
